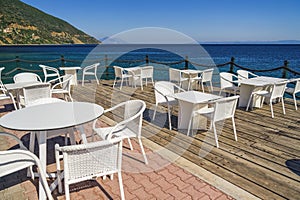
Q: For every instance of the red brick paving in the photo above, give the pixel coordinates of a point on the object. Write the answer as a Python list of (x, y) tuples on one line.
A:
[(157, 180)]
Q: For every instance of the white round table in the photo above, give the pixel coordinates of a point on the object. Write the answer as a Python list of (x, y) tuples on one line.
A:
[(45, 117)]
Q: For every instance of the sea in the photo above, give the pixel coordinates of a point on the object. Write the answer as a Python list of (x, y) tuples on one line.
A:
[(17, 58)]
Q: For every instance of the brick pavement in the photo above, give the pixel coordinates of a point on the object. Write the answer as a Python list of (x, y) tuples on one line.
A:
[(160, 179)]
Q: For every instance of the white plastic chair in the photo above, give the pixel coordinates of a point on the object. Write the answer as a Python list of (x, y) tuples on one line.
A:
[(244, 74), (49, 72), (90, 70), (128, 117), (136, 77), (34, 92), (147, 73), (26, 77), (120, 74), (164, 91), (223, 109), (227, 82), (206, 77), (294, 90), (4, 93), (63, 86), (87, 161), (14, 160), (276, 91), (176, 76)]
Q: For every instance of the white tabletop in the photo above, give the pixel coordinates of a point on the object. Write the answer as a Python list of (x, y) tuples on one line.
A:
[(69, 68), (191, 71), (261, 81), (196, 97), (51, 116)]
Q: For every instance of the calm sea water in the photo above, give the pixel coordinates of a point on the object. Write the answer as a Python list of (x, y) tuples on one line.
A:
[(250, 56)]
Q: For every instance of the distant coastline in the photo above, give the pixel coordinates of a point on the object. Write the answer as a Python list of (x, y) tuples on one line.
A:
[(277, 42)]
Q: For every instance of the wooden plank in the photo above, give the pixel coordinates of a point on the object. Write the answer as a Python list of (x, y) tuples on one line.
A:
[(256, 162)]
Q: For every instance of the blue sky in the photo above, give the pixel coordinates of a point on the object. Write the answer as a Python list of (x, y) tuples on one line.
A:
[(203, 20)]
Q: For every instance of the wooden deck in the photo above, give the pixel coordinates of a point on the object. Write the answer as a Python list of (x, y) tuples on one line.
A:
[(265, 161)]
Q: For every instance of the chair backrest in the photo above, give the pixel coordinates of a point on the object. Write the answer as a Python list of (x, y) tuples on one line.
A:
[(94, 159), (27, 77), (1, 69), (174, 75), (118, 71), (297, 85), (37, 91), (162, 89), (207, 75), (226, 79), (242, 74), (50, 72), (3, 90), (225, 108), (132, 112), (91, 68), (147, 72), (278, 89)]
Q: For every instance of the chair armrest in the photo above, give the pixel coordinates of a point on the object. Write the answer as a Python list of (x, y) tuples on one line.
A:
[(15, 138), (54, 80)]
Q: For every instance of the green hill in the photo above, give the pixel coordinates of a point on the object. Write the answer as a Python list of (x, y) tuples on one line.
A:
[(24, 24)]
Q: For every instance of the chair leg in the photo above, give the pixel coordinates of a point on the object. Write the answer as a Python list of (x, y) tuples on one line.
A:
[(220, 92), (283, 108), (130, 145), (115, 82), (271, 107), (169, 118), (82, 83), (97, 79), (154, 113), (143, 151), (202, 86), (248, 104), (67, 191), (234, 129), (121, 84), (121, 186), (295, 101), (211, 87), (216, 135), (70, 96)]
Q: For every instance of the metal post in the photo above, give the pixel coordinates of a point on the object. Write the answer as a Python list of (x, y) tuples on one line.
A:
[(186, 62), (147, 60), (62, 59), (285, 69), (231, 65), (106, 66)]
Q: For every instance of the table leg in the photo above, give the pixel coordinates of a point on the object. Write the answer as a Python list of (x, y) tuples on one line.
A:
[(42, 139), (184, 116), (74, 73)]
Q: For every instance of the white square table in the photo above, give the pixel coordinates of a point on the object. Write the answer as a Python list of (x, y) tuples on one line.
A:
[(188, 102), (247, 86), (52, 116), (72, 71)]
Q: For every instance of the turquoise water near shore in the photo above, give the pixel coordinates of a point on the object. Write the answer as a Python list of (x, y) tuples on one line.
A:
[(249, 56)]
